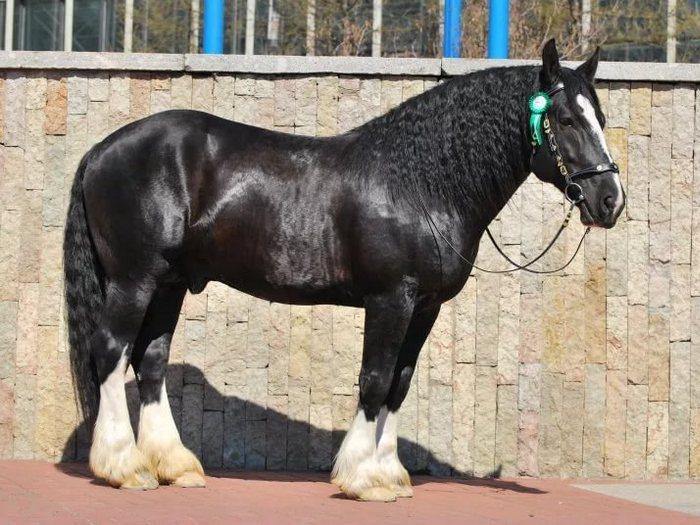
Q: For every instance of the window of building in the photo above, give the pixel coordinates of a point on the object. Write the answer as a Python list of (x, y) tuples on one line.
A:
[(95, 26), (161, 27), (38, 25), (3, 6)]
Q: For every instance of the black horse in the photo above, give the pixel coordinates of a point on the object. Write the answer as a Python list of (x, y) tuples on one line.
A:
[(181, 198)]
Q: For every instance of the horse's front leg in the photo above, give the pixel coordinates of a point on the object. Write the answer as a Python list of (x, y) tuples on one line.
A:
[(357, 470), (387, 446)]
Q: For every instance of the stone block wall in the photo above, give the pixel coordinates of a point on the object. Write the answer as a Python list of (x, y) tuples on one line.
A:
[(593, 372)]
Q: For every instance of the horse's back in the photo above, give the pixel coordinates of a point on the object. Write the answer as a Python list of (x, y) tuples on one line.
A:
[(203, 198)]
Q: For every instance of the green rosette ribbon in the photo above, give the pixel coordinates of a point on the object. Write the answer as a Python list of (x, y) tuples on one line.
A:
[(539, 104)]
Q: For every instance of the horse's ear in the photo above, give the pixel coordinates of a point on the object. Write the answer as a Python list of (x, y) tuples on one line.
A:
[(551, 69), (590, 66)]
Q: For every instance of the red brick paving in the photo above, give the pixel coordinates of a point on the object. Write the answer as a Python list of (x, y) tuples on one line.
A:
[(36, 492)]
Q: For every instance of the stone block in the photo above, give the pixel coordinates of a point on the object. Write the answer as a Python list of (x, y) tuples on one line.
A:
[(10, 235), (617, 323), (284, 102), (223, 96), (637, 189), (213, 437), (636, 431), (680, 319), (181, 92), (657, 440), (683, 122), (54, 208), (327, 109), (528, 440), (658, 353), (77, 85), (640, 108), (440, 420), (506, 446), (615, 417), (695, 353), (15, 101), (531, 328), (679, 411), (572, 429), (637, 344), (595, 298), (465, 324), (391, 94), (509, 327), (618, 105), (139, 95), (203, 93), (276, 433), (234, 433), (594, 421), (35, 152), (463, 401), (56, 110), (550, 435), (485, 410), (694, 467), (98, 87), (441, 344), (119, 100), (305, 103), (637, 262), (27, 321), (30, 237), (255, 445), (298, 428)]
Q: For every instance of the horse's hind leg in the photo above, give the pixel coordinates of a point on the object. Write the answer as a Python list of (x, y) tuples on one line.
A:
[(356, 469), (114, 455), (387, 446), (158, 438)]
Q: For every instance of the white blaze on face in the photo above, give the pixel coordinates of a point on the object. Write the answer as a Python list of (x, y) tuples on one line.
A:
[(590, 116)]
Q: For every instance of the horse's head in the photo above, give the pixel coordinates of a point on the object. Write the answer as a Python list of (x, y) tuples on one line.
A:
[(566, 125)]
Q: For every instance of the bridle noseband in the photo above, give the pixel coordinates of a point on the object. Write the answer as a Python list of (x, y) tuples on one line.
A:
[(554, 150)]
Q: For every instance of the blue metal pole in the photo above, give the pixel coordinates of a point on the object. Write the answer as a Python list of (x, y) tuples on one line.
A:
[(452, 34), (498, 29), (213, 31)]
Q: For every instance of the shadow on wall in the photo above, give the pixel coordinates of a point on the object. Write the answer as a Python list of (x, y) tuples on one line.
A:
[(247, 456)]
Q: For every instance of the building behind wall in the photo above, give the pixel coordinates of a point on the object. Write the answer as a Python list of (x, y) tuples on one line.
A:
[(631, 30)]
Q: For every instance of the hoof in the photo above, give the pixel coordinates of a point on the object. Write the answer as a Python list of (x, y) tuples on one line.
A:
[(142, 480), (403, 491), (377, 494), (190, 480)]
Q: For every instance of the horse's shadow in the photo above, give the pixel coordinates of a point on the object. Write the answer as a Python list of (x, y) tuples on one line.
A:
[(416, 458)]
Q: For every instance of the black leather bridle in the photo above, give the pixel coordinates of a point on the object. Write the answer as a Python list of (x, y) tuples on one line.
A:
[(570, 178)]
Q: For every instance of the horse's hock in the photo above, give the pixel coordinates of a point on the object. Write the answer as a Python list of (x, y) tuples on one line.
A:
[(594, 372)]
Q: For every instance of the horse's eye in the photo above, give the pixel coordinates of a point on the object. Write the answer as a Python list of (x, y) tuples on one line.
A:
[(566, 121)]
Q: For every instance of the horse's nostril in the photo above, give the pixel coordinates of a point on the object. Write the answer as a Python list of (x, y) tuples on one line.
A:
[(609, 202)]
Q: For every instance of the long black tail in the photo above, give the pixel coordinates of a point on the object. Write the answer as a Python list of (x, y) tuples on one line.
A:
[(84, 296)]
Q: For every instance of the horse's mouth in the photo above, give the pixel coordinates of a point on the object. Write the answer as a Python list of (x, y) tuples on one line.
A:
[(588, 220)]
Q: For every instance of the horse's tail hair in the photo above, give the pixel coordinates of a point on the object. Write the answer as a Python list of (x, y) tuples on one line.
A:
[(84, 296)]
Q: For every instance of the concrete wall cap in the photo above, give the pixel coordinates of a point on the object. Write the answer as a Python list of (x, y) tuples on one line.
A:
[(302, 65)]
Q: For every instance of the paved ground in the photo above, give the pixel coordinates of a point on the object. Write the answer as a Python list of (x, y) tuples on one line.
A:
[(683, 497), (35, 492)]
